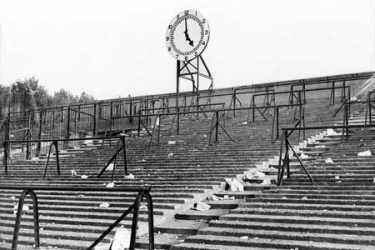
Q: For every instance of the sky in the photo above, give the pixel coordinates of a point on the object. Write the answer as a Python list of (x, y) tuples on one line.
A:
[(112, 49)]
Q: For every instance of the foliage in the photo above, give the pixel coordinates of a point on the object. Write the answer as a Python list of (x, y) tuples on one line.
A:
[(22, 96)]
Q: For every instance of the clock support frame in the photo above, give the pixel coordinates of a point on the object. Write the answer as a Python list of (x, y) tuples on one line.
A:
[(192, 70)]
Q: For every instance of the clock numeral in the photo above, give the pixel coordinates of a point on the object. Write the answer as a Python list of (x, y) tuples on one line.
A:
[(176, 55), (169, 26), (186, 12), (186, 58), (203, 20), (178, 16), (196, 13), (167, 38), (196, 53), (206, 32), (169, 49), (203, 43)]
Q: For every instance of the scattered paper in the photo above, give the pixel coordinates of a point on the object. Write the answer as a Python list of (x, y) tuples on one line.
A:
[(121, 240), (129, 176), (110, 185), (73, 172), (329, 161), (171, 142), (234, 185), (200, 206), (365, 153), (84, 176), (110, 167), (170, 155), (104, 205)]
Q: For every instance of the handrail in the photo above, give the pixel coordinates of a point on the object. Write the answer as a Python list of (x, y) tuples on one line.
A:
[(287, 132), (54, 142), (143, 192), (19, 217)]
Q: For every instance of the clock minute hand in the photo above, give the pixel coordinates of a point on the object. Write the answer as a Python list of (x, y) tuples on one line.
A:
[(187, 34)]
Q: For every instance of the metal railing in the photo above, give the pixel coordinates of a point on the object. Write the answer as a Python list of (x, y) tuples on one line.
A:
[(284, 162), (54, 143), (143, 193)]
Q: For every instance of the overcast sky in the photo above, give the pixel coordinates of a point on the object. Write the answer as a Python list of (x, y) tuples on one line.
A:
[(117, 48)]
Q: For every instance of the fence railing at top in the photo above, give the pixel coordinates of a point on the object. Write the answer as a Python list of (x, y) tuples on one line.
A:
[(144, 192), (94, 118), (54, 144)]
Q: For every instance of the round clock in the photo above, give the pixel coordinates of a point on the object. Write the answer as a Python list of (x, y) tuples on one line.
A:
[(187, 35)]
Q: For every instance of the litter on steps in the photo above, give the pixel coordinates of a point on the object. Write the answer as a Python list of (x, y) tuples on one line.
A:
[(170, 155), (110, 185), (129, 176), (171, 142), (364, 153), (84, 176), (329, 161), (104, 205), (121, 240), (110, 167), (233, 185), (201, 206), (74, 173), (331, 132)]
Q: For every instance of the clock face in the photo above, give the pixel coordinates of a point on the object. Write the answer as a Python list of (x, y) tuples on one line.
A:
[(187, 35)]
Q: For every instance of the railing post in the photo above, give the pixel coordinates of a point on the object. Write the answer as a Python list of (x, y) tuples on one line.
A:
[(369, 108), (39, 144), (234, 102), (95, 120), (133, 236), (19, 215), (286, 158), (139, 124), (151, 245), (5, 144), (57, 157), (217, 126), (124, 154), (277, 123)]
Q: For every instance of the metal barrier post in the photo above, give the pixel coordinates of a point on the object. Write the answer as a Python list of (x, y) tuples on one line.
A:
[(124, 155), (5, 144), (19, 215)]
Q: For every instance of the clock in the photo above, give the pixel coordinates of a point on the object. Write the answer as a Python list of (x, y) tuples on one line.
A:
[(187, 35)]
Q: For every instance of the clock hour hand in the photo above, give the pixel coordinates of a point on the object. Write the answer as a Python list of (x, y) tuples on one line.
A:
[(187, 34)]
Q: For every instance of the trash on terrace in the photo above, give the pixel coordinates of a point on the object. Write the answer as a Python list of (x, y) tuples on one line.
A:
[(329, 161), (129, 176), (233, 185), (364, 153), (201, 206)]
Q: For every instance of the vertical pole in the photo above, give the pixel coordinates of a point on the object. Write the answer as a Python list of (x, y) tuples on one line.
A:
[(177, 93), (217, 126), (67, 135), (28, 153), (57, 157), (198, 86), (343, 98), (333, 93), (287, 153), (234, 103), (139, 125), (96, 118), (124, 155), (5, 145), (253, 101), (38, 145), (277, 123), (369, 108)]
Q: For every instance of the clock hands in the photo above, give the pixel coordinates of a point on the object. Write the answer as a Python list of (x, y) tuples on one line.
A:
[(191, 42)]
